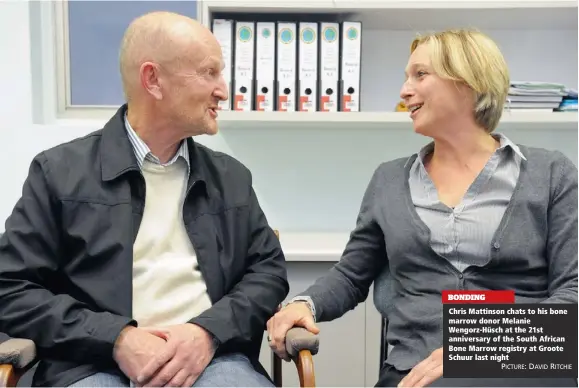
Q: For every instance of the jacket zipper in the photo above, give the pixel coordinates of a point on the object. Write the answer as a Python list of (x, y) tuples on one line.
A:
[(199, 262)]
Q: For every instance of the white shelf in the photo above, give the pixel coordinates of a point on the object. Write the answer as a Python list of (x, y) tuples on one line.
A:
[(421, 14), (272, 121), (458, 4), (304, 247)]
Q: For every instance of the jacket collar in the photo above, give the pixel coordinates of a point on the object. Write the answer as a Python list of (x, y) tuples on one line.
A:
[(116, 152), (117, 156)]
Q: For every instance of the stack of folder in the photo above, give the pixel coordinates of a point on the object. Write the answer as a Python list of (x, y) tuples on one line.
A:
[(569, 103), (291, 66), (535, 96)]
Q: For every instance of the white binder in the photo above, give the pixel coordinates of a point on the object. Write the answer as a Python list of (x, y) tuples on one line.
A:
[(223, 32), (244, 62), (351, 46), (286, 66), (329, 67), (308, 67), (265, 66)]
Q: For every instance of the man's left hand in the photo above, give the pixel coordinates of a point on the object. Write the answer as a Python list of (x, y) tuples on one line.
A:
[(188, 351), (425, 372)]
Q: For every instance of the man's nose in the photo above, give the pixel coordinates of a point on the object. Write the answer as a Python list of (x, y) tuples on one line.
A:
[(222, 91)]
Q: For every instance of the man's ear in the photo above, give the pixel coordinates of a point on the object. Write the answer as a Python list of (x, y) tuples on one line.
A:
[(149, 76)]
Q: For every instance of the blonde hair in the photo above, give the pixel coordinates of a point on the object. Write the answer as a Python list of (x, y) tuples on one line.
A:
[(471, 57)]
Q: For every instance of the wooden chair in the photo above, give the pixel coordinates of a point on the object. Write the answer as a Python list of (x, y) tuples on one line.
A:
[(17, 356), (301, 345)]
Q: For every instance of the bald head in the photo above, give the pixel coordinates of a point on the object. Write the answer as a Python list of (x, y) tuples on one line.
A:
[(164, 38)]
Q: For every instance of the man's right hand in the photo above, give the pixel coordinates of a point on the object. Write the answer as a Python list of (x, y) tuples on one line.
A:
[(294, 314), (134, 349)]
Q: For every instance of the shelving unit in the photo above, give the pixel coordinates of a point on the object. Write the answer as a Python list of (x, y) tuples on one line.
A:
[(424, 14), (388, 28), (329, 121)]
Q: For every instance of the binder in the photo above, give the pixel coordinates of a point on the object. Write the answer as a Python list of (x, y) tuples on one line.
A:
[(308, 67), (329, 67), (286, 66), (223, 32), (244, 63), (265, 66), (351, 47)]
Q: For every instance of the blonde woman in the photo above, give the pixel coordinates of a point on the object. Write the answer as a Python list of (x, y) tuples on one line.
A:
[(471, 210)]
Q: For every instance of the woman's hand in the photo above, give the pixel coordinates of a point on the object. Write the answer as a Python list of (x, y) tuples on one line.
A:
[(294, 314), (425, 372)]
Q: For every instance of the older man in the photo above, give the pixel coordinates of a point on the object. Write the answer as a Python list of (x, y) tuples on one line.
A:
[(135, 255)]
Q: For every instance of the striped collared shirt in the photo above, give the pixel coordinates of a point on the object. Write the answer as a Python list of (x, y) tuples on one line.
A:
[(463, 234), (143, 152)]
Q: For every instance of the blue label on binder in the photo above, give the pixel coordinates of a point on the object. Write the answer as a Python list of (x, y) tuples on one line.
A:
[(352, 33), (286, 36), (266, 33), (244, 34), (308, 35), (330, 34)]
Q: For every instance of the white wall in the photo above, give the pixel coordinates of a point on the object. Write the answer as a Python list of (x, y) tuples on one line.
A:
[(15, 100)]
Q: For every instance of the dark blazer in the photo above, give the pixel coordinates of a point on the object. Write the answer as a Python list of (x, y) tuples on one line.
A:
[(66, 257)]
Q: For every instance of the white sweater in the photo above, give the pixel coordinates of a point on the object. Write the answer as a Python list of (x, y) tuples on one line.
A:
[(168, 287)]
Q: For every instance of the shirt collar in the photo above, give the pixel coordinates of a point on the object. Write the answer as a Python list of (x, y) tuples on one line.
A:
[(142, 151), (505, 143)]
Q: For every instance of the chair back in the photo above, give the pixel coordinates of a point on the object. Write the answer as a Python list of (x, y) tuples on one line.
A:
[(383, 291)]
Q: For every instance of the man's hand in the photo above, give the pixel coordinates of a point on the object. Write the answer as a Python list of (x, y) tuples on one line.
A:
[(294, 314), (425, 372), (135, 348), (187, 352)]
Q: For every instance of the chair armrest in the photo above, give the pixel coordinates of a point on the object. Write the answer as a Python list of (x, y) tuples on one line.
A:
[(298, 339), (18, 352)]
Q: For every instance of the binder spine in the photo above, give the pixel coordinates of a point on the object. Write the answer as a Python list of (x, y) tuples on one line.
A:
[(329, 68), (244, 66), (286, 66), (351, 36), (308, 54), (265, 66), (223, 31)]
